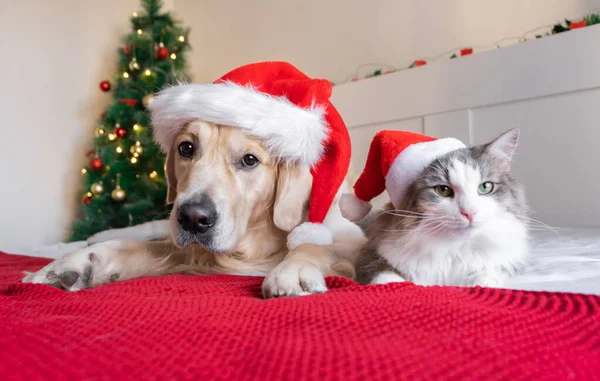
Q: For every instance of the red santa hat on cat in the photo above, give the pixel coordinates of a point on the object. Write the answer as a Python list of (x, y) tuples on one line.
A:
[(279, 104), (395, 159)]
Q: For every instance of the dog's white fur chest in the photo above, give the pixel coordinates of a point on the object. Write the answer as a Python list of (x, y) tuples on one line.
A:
[(484, 257)]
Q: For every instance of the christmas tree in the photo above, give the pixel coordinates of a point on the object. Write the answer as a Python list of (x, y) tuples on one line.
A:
[(124, 177)]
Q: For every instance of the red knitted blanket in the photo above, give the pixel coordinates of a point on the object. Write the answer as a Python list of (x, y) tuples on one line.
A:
[(218, 328)]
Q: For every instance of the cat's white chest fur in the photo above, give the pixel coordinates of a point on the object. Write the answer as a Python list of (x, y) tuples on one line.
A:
[(483, 257)]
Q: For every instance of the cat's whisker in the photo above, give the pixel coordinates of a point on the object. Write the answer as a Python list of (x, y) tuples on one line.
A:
[(407, 211), (533, 223), (422, 216), (439, 228)]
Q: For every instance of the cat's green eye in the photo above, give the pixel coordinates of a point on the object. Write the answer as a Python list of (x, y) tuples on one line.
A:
[(485, 188), (443, 191)]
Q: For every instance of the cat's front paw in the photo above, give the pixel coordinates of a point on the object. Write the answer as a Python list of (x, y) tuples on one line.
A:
[(491, 280)]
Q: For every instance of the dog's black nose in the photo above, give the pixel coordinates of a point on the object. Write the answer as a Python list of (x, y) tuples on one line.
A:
[(197, 217)]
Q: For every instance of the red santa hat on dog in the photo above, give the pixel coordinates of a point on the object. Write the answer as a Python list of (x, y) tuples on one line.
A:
[(279, 104), (395, 159)]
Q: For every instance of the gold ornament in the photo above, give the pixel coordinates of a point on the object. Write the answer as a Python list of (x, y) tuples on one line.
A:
[(118, 194), (97, 189), (134, 65), (136, 149), (148, 99)]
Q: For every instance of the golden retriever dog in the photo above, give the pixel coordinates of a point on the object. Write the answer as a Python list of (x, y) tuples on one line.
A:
[(234, 204)]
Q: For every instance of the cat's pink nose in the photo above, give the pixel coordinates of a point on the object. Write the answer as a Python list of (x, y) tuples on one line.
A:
[(467, 214)]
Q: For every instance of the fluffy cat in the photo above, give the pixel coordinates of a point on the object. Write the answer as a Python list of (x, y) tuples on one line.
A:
[(462, 223)]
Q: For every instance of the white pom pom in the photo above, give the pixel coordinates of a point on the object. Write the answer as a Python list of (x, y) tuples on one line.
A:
[(309, 232), (354, 208)]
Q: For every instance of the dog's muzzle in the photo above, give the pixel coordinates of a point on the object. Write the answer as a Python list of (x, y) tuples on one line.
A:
[(197, 218)]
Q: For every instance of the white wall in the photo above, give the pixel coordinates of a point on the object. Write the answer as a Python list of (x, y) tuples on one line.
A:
[(534, 86), (53, 55), (330, 38)]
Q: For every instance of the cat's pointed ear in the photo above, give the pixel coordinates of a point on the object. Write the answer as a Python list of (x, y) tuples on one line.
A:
[(504, 145)]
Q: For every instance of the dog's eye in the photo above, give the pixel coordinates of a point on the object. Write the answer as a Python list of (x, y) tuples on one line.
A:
[(249, 161), (186, 149)]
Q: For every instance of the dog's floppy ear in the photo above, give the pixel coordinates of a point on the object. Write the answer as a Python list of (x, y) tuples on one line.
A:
[(170, 174), (294, 183)]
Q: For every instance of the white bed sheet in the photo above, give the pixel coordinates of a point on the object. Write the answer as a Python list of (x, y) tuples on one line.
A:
[(567, 260)]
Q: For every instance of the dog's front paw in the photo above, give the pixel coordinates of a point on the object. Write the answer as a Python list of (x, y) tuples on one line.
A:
[(293, 278), (73, 272)]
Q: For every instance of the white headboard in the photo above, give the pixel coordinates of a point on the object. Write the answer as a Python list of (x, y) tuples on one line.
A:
[(549, 88)]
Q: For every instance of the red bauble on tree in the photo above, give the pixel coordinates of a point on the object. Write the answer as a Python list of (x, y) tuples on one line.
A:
[(105, 86), (126, 50), (86, 200), (162, 53), (96, 164), (120, 131)]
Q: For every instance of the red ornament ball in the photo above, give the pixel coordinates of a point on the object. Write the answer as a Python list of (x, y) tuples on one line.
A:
[(96, 164), (120, 132), (105, 86), (86, 200), (126, 50), (162, 53)]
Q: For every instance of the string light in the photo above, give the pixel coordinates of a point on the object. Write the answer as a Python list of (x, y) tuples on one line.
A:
[(119, 149), (137, 149), (139, 31), (153, 174), (101, 131), (173, 56), (136, 127), (83, 171), (89, 194), (134, 14), (181, 38), (112, 136), (148, 72), (125, 74), (134, 160)]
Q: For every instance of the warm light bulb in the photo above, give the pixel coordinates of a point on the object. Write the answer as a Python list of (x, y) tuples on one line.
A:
[(83, 171), (134, 14), (101, 131), (119, 149), (139, 31), (147, 72), (112, 136), (89, 194), (133, 160), (173, 56), (181, 38), (125, 74), (138, 143), (135, 154), (153, 174), (136, 127)]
